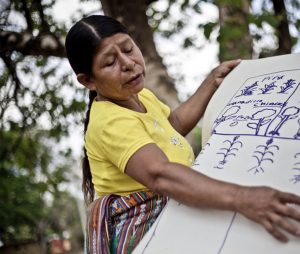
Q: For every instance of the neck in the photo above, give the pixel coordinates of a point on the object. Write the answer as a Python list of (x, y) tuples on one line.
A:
[(132, 103)]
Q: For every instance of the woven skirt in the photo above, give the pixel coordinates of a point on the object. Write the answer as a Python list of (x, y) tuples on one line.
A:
[(116, 224)]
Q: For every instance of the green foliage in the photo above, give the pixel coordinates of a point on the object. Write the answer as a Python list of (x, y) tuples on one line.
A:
[(208, 28), (232, 32), (38, 105), (168, 24)]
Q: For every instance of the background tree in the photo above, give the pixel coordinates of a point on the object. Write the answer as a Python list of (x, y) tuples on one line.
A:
[(234, 40), (35, 113)]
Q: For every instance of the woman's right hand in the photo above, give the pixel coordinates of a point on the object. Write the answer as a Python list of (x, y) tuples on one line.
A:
[(270, 208)]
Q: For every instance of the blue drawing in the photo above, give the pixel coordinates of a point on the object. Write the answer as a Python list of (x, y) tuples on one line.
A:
[(262, 154), (231, 150), (296, 177), (292, 114), (227, 233), (287, 114), (297, 135), (228, 114), (288, 85), (261, 118), (267, 88), (275, 77), (248, 90)]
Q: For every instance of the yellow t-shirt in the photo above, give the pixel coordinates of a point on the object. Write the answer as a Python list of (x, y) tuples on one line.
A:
[(115, 133)]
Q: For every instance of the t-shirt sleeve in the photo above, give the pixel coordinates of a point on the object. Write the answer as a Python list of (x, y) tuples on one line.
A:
[(121, 138)]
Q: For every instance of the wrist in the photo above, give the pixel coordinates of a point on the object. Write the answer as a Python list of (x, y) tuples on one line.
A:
[(210, 83), (236, 198)]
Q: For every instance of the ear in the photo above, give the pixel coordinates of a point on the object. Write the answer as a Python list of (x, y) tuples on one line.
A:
[(86, 80)]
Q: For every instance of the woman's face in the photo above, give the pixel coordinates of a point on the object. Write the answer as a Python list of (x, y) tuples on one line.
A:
[(118, 69)]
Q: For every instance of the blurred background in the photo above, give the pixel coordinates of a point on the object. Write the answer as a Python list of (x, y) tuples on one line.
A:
[(42, 106)]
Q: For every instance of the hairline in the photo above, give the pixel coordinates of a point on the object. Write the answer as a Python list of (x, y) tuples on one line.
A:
[(122, 42)]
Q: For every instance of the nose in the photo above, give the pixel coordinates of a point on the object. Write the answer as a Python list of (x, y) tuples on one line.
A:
[(127, 64)]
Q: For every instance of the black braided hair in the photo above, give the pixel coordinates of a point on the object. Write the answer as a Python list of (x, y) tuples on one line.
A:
[(82, 42), (87, 184)]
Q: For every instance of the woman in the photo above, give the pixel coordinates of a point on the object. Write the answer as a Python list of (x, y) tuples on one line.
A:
[(135, 152)]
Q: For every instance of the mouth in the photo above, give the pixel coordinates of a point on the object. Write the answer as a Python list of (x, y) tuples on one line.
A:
[(135, 79)]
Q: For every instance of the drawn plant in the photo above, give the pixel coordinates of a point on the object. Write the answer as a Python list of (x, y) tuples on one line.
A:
[(288, 85), (248, 90), (261, 118), (296, 177), (233, 147), (228, 114), (268, 87), (262, 154), (288, 114), (297, 135)]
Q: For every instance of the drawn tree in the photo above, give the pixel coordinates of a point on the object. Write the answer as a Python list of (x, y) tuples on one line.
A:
[(261, 117), (228, 114), (288, 114)]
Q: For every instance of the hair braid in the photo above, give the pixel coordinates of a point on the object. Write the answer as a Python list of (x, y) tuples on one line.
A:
[(87, 184)]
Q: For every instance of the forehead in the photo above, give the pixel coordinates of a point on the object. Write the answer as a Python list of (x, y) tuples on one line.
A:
[(108, 43)]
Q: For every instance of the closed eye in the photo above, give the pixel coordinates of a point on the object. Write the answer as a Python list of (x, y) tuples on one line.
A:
[(128, 50), (110, 63)]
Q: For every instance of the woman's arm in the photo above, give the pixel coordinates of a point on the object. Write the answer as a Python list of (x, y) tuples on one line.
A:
[(264, 205), (186, 116)]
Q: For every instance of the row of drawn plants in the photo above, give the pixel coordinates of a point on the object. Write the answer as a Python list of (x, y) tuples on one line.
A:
[(258, 120), (268, 88), (263, 154)]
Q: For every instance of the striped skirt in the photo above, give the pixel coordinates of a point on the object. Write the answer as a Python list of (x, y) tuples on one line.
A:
[(116, 224)]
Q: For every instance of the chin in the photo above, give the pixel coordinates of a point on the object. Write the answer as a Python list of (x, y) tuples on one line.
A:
[(139, 88)]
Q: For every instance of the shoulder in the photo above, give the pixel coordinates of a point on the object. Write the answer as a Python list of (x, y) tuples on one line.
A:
[(105, 115), (146, 93)]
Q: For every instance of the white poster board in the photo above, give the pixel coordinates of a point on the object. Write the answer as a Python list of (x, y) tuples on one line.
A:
[(251, 136)]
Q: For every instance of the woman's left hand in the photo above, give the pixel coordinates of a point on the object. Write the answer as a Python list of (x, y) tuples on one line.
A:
[(218, 74)]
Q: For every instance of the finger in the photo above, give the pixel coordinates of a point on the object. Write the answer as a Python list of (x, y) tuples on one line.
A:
[(231, 63), (284, 224), (289, 211), (289, 198), (274, 231), (226, 67)]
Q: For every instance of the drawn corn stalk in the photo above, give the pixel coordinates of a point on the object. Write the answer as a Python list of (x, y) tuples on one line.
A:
[(262, 154), (233, 147)]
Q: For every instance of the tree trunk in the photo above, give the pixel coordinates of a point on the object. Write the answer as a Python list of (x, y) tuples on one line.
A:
[(235, 39), (283, 33), (133, 16)]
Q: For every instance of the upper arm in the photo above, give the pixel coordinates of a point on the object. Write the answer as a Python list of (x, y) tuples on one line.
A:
[(115, 146), (146, 165), (175, 122)]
